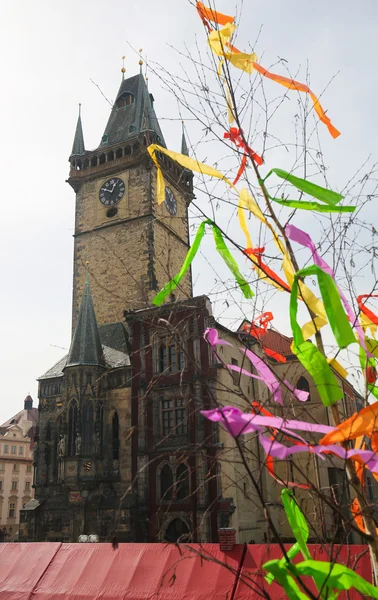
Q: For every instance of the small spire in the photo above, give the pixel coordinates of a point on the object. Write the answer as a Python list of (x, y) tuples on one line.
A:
[(86, 346), (184, 145), (123, 70), (78, 147), (140, 60), (86, 273)]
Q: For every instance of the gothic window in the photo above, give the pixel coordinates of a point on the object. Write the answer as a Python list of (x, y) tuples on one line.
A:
[(170, 356), (115, 431), (182, 482), (87, 427), (173, 416), (176, 531), (101, 425), (166, 483), (72, 428), (304, 386)]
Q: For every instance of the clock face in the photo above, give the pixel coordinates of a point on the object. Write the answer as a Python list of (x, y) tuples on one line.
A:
[(170, 201), (112, 191)]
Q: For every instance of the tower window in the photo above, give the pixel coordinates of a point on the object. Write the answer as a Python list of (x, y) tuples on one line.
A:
[(119, 153), (125, 99), (102, 159), (104, 139)]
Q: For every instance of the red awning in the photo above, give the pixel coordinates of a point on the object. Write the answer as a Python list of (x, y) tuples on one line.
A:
[(54, 571)]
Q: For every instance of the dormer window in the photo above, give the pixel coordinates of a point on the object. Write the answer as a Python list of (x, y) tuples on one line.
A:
[(125, 100), (132, 128), (105, 139)]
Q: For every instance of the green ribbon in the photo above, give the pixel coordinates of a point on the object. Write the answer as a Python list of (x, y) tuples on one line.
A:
[(316, 191), (223, 251), (335, 576), (314, 206), (310, 357), (297, 521)]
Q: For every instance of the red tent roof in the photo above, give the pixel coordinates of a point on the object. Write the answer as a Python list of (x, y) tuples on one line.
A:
[(44, 571)]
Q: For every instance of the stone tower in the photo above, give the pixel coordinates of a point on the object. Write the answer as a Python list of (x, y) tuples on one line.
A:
[(132, 245)]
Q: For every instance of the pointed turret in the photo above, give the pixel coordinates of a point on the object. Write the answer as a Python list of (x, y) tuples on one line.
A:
[(86, 346), (133, 112), (78, 148), (184, 146)]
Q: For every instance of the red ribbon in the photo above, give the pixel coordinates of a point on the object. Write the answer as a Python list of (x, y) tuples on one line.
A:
[(267, 270), (235, 136), (363, 308)]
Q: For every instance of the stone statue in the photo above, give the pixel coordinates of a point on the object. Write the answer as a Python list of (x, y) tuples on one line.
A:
[(61, 448), (97, 442), (78, 444)]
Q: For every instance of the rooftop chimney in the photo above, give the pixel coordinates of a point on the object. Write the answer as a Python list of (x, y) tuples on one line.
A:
[(227, 539), (28, 402)]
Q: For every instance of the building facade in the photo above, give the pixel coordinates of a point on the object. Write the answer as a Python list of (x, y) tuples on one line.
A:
[(16, 468), (121, 448)]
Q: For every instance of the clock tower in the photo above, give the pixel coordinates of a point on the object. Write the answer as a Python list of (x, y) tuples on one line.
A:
[(132, 246)]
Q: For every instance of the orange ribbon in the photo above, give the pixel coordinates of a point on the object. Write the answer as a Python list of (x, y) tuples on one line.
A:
[(365, 310)]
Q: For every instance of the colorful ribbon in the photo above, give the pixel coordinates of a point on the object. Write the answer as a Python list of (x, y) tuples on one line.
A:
[(223, 251)]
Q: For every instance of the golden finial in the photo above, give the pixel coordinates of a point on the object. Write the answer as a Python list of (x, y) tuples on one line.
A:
[(140, 60), (123, 70)]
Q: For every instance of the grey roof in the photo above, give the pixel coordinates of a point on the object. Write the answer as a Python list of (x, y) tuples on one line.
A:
[(86, 348), (78, 148), (127, 122), (113, 360), (114, 335)]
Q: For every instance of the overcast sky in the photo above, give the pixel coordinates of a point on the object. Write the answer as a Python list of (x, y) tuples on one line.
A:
[(51, 51)]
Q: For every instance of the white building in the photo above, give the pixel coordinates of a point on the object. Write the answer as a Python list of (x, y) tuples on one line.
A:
[(16, 468)]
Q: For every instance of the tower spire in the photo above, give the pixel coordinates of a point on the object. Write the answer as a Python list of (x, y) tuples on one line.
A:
[(184, 146), (123, 70), (78, 148), (86, 348)]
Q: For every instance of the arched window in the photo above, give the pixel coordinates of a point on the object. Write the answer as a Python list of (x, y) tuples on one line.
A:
[(115, 430), (177, 531), (87, 420), (72, 428), (304, 386), (182, 482), (166, 483)]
